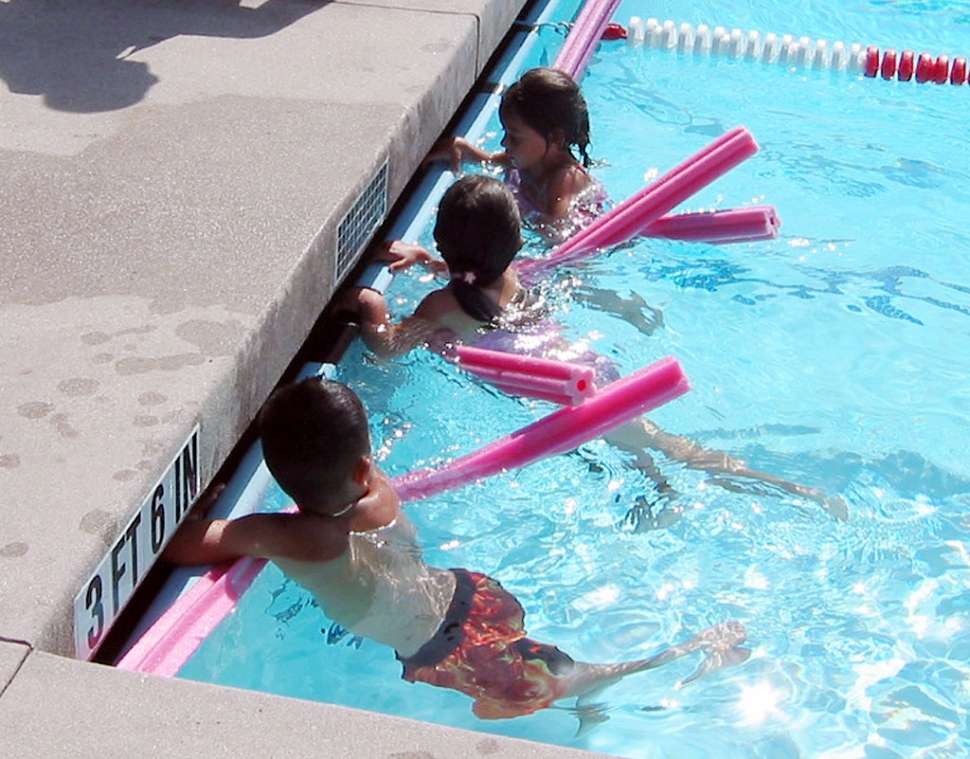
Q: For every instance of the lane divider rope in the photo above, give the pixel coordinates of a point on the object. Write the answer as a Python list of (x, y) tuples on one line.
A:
[(798, 52)]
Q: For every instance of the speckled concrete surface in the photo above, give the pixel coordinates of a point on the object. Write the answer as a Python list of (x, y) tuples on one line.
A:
[(100, 713)]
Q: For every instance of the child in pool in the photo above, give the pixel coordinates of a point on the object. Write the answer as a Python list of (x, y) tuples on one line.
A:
[(544, 116), (351, 546), (478, 235)]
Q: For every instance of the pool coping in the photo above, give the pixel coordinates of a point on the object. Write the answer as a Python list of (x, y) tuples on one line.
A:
[(138, 145)]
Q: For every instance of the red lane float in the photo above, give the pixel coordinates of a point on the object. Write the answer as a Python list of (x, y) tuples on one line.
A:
[(872, 61), (888, 68), (925, 68), (907, 65), (958, 74), (614, 32)]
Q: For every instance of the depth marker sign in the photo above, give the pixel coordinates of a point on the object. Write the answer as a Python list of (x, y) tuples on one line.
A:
[(133, 552)]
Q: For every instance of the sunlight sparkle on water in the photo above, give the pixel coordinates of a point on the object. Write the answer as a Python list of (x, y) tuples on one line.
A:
[(759, 702), (600, 598), (754, 579), (960, 548)]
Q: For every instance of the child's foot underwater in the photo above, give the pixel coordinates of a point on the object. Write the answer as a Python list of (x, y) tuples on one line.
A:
[(634, 309), (721, 645), (653, 513)]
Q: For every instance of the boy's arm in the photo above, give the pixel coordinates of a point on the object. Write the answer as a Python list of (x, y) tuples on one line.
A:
[(213, 541), (381, 335)]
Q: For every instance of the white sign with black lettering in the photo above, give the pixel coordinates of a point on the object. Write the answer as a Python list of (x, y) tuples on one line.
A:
[(134, 551)]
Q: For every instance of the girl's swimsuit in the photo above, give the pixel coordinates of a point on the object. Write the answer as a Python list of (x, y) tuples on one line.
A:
[(592, 202), (481, 649)]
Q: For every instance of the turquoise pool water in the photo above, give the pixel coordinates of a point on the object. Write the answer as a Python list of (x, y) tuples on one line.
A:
[(836, 356)]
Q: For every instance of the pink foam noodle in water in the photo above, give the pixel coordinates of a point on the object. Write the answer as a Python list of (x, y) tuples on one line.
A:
[(180, 630), (619, 402), (177, 634), (725, 226), (646, 206), (584, 36), (533, 377)]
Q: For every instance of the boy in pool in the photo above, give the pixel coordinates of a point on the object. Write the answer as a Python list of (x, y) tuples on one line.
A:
[(351, 546), (544, 116), (477, 232)]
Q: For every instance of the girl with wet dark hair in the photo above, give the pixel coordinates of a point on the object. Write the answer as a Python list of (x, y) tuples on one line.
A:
[(478, 233), (545, 119)]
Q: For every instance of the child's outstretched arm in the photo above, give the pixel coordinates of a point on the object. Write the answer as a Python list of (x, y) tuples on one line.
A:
[(458, 150), (379, 333), (401, 255), (213, 541)]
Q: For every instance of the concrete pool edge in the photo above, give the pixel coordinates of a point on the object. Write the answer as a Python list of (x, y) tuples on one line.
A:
[(97, 711)]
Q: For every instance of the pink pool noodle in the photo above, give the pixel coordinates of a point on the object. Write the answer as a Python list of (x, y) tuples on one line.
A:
[(531, 391), (725, 226), (618, 402), (584, 36), (177, 634), (179, 631), (542, 388), (653, 201), (531, 376)]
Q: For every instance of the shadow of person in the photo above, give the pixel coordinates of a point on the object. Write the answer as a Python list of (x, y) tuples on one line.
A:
[(76, 55)]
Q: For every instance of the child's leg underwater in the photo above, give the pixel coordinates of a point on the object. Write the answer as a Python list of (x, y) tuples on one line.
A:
[(721, 645), (636, 436)]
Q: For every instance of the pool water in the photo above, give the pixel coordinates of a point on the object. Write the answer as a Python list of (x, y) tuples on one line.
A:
[(835, 356)]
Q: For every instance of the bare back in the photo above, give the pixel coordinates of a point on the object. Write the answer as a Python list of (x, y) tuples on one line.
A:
[(380, 587)]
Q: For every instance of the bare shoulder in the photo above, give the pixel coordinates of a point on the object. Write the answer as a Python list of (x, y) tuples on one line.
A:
[(568, 180), (437, 305), (300, 536)]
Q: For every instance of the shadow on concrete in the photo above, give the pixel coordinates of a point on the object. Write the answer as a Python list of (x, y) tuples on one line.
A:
[(76, 54)]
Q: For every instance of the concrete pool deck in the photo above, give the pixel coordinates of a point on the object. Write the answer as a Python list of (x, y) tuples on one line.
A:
[(176, 181)]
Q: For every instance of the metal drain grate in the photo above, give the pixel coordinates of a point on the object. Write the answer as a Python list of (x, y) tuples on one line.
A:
[(360, 221)]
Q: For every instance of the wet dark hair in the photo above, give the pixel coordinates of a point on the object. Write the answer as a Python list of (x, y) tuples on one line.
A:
[(313, 433), (478, 232), (547, 99)]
